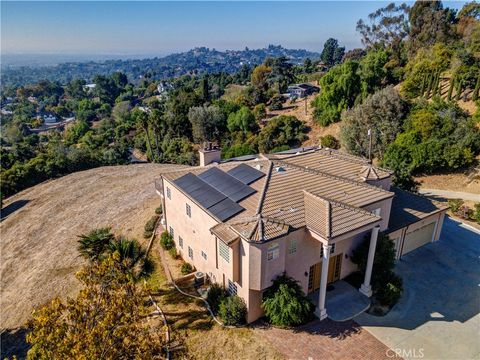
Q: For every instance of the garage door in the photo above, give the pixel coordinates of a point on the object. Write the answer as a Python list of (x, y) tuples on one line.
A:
[(418, 238)]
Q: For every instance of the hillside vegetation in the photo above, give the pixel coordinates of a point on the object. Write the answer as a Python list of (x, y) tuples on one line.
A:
[(39, 239)]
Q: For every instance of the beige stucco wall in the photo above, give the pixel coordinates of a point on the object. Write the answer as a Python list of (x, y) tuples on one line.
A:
[(385, 207), (398, 235)]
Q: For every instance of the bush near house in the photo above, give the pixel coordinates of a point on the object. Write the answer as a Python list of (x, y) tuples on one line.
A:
[(159, 210), (173, 252), (285, 304), (186, 268), (330, 141), (150, 226), (386, 285), (166, 240), (215, 295), (455, 204), (233, 311)]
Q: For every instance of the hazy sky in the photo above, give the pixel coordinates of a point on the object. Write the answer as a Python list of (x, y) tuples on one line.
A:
[(129, 27)]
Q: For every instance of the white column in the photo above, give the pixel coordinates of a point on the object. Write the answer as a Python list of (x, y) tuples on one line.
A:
[(366, 289), (320, 311)]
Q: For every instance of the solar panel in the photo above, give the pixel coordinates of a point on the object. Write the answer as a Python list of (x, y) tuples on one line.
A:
[(199, 190), (225, 209), (245, 173), (216, 203), (226, 184)]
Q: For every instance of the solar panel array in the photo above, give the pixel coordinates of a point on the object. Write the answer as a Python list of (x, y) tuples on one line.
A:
[(226, 184), (246, 174), (219, 192)]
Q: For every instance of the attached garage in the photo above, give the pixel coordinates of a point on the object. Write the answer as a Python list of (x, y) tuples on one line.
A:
[(419, 237)]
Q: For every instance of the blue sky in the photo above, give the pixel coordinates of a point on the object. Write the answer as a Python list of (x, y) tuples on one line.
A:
[(157, 28)]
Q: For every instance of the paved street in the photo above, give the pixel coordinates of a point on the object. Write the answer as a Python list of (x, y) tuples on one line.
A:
[(439, 311)]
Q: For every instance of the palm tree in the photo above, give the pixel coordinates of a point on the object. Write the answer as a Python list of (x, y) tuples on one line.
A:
[(92, 246), (131, 256)]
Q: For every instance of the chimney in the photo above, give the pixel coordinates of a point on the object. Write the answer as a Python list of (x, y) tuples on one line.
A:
[(209, 153)]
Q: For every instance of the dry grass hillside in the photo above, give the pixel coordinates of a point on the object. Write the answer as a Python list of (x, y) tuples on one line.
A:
[(38, 239)]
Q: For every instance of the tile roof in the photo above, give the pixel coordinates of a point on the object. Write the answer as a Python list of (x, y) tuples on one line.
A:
[(408, 208), (279, 203), (330, 218), (335, 163)]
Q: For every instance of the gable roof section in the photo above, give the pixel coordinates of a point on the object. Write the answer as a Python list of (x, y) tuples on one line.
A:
[(329, 218)]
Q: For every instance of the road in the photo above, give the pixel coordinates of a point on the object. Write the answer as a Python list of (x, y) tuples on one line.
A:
[(450, 194)]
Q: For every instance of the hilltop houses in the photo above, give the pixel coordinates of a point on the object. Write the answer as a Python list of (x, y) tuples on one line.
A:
[(245, 221)]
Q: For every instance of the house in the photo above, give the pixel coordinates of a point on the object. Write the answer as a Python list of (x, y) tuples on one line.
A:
[(303, 212), (89, 87), (164, 87), (301, 90), (49, 118)]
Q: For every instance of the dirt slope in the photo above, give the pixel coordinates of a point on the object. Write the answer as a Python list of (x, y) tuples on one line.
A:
[(38, 240)]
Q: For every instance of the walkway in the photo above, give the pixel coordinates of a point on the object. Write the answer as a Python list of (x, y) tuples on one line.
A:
[(343, 301), (434, 193), (326, 339)]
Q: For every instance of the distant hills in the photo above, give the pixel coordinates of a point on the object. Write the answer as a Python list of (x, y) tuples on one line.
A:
[(199, 60)]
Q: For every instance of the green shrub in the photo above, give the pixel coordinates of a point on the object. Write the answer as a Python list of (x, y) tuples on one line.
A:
[(150, 226), (476, 213), (390, 293), (330, 141), (159, 210), (285, 304), (233, 310), (173, 251), (215, 295), (455, 204), (186, 268), (166, 240)]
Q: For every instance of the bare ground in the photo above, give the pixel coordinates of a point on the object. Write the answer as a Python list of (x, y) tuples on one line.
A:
[(38, 238)]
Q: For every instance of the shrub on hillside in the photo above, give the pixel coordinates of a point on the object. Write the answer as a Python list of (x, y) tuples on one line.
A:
[(186, 268), (173, 251), (330, 141), (166, 241), (476, 213), (150, 226), (285, 304), (233, 311), (215, 295), (159, 210), (455, 204)]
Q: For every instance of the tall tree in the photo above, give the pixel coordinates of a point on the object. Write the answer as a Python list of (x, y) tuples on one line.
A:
[(208, 123), (328, 52)]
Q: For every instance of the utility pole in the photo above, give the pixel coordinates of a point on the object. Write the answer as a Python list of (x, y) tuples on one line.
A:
[(305, 105), (370, 146)]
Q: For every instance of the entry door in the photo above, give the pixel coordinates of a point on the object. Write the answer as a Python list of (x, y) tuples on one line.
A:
[(334, 268), (314, 277)]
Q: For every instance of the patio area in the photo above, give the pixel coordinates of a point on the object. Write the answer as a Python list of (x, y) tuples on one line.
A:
[(343, 302)]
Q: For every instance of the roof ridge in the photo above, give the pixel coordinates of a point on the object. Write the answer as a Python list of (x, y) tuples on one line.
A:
[(336, 177), (341, 204), (264, 188)]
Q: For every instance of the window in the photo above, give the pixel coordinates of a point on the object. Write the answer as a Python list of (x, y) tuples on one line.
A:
[(292, 249), (169, 194), (332, 249), (377, 211), (170, 230), (190, 253), (224, 251), (232, 288), (204, 255), (188, 209), (273, 252), (180, 242)]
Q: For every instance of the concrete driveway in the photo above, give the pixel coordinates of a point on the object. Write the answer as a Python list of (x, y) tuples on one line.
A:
[(438, 316)]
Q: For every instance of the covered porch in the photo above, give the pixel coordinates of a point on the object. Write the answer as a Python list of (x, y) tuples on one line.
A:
[(342, 300)]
